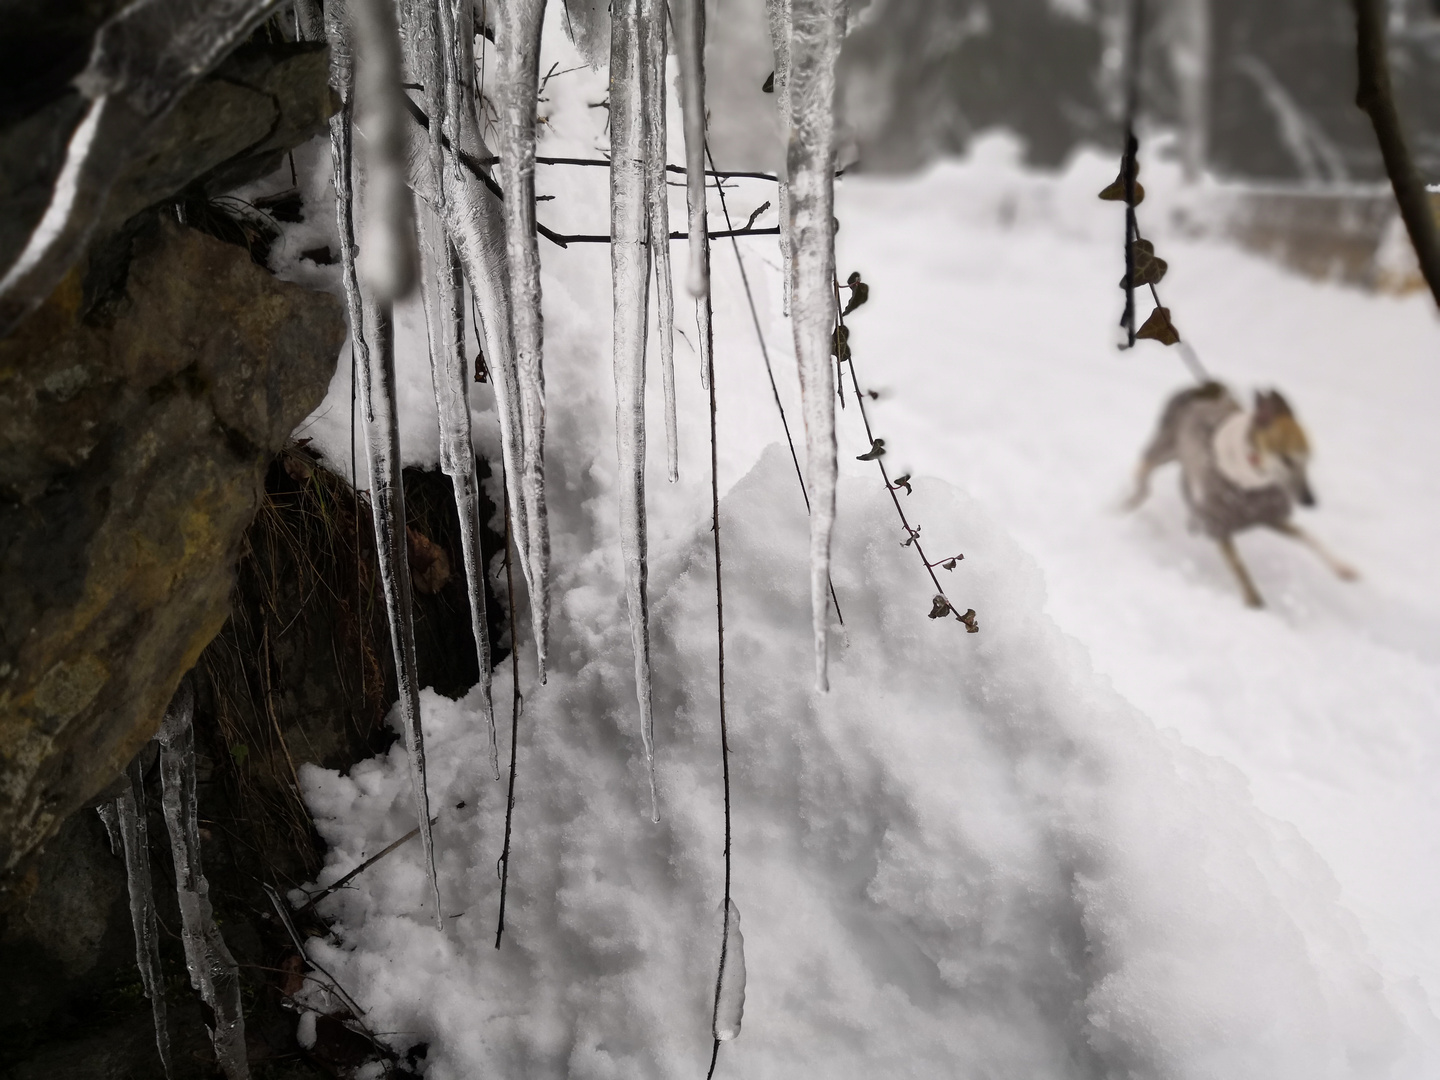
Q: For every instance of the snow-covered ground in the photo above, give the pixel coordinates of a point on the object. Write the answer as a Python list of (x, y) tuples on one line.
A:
[(1132, 828)]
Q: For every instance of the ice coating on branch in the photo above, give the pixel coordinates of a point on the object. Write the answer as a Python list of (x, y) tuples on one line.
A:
[(730, 981), (817, 28), (387, 253), (135, 839), (630, 282), (443, 288), (657, 201), (379, 420), (779, 12), (690, 50), (212, 969), (517, 38)]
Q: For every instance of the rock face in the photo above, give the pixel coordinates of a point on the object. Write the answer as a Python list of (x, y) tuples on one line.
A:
[(138, 413)]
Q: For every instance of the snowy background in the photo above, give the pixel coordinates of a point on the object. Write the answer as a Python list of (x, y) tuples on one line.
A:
[(1132, 828)]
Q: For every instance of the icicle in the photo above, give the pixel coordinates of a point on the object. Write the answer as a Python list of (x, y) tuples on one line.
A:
[(730, 982), (657, 199), (630, 276), (818, 26), (372, 342), (135, 838), (212, 969), (518, 42), (110, 818), (387, 256), (779, 12), (309, 20), (387, 509), (443, 288), (690, 49)]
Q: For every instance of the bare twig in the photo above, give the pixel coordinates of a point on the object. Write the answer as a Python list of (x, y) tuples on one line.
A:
[(514, 720), (1376, 97)]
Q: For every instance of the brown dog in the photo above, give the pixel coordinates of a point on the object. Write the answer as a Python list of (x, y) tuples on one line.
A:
[(1238, 470)]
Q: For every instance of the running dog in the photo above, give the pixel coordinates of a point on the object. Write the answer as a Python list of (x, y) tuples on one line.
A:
[(1238, 469)]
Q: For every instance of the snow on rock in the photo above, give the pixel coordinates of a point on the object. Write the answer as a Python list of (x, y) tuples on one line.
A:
[(972, 857)]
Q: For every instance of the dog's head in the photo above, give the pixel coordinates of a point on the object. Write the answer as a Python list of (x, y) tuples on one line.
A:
[(1281, 446)]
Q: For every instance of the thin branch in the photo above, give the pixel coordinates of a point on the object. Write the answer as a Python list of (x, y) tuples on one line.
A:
[(514, 717), (1376, 97)]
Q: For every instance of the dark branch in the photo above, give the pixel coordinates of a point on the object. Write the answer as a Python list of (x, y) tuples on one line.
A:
[(1376, 97)]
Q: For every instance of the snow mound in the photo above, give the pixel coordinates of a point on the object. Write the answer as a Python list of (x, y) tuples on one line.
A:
[(971, 858)]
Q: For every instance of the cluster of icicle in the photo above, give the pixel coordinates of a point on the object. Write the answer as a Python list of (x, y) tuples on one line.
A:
[(212, 969), (421, 200)]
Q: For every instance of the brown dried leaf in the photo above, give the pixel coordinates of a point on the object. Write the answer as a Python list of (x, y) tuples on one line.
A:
[(1158, 327), (1149, 268), (429, 565)]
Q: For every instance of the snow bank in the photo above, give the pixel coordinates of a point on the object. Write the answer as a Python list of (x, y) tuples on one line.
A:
[(970, 858)]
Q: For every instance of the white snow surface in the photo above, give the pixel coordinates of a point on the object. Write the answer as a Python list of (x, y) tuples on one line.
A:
[(1129, 829)]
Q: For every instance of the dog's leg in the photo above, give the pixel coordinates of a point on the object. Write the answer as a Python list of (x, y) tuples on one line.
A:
[(1252, 595), (1142, 484), (1343, 570)]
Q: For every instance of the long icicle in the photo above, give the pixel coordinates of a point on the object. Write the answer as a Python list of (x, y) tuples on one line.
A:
[(135, 839), (690, 49), (518, 41), (780, 14), (372, 341), (818, 26), (387, 507), (657, 201), (212, 969), (630, 277), (443, 293)]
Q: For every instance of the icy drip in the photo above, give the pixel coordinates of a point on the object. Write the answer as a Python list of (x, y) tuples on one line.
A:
[(657, 200), (372, 345), (817, 28), (630, 277), (443, 289), (110, 818), (212, 969), (387, 509), (135, 839), (387, 256), (518, 43), (779, 12), (690, 49), (475, 222), (730, 982), (430, 64)]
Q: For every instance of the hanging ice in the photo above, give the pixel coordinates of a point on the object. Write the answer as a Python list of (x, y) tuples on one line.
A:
[(135, 838), (518, 41), (372, 346), (212, 969), (779, 12), (444, 291), (630, 277), (387, 254), (818, 26), (110, 818), (690, 49), (387, 508), (730, 980), (657, 200)]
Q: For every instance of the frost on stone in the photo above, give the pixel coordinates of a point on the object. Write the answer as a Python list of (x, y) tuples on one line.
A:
[(657, 201), (143, 60), (135, 839), (690, 50), (730, 980), (779, 12), (817, 29), (517, 38), (380, 422), (630, 278), (212, 969), (443, 289)]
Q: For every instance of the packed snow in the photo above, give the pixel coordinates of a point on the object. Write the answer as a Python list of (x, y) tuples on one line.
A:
[(1130, 828)]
